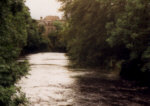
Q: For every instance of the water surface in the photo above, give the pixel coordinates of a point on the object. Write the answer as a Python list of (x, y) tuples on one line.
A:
[(52, 83)]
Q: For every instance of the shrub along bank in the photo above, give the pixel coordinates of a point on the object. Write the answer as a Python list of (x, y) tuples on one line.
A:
[(103, 33), (14, 23)]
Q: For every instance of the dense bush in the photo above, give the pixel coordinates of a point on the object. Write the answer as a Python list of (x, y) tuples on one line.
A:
[(131, 29), (13, 34), (36, 42), (103, 33), (56, 37)]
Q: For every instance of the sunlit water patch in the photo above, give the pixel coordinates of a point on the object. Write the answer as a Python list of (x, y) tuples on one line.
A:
[(49, 82)]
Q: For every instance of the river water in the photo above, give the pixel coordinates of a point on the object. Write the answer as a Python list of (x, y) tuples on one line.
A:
[(51, 83)]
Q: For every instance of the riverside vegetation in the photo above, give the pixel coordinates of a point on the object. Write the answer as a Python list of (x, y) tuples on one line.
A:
[(96, 33), (14, 18), (56, 38), (109, 34), (19, 35), (39, 42)]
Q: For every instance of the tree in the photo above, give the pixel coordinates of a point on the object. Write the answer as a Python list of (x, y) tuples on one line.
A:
[(13, 35), (102, 33), (56, 37), (131, 30), (36, 41)]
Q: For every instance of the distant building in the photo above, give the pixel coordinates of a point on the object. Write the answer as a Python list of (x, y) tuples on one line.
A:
[(47, 22), (51, 18)]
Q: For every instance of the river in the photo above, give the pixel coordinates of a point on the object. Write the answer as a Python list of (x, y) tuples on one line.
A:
[(51, 83)]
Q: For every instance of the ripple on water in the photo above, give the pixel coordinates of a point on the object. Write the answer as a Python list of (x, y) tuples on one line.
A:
[(51, 83)]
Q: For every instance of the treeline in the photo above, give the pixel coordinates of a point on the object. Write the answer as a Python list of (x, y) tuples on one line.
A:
[(56, 38), (109, 34), (14, 24), (36, 41), (20, 35), (39, 41)]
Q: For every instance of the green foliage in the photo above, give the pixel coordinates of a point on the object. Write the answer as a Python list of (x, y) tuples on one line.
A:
[(86, 33), (11, 72), (12, 96), (56, 38), (131, 30), (5, 95), (36, 41), (13, 36), (19, 98), (103, 33)]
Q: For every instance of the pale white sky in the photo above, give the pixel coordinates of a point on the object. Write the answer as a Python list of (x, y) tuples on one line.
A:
[(43, 8)]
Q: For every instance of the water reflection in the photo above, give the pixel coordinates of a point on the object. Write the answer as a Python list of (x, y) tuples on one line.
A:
[(51, 83)]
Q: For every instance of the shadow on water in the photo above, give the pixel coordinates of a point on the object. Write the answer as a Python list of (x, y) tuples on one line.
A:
[(101, 88), (52, 83)]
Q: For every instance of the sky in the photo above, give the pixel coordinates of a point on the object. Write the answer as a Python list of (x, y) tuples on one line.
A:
[(42, 8)]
